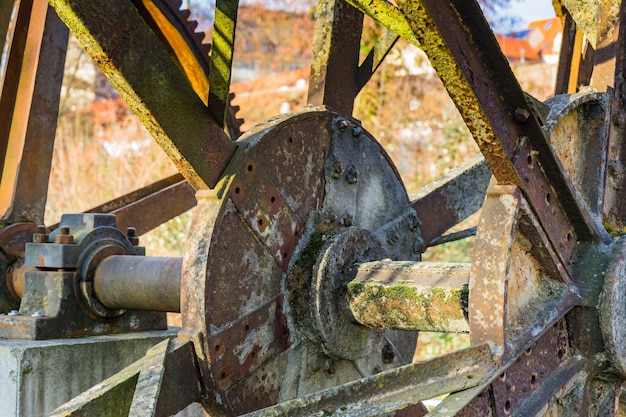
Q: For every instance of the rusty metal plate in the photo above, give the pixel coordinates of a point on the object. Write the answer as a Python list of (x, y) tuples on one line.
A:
[(294, 176)]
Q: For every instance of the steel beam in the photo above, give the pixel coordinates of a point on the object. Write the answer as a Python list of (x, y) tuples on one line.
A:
[(333, 81), (445, 203), (504, 124), (29, 127), (403, 386), (223, 46), (116, 36)]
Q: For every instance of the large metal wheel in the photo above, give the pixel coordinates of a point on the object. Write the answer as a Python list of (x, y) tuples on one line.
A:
[(288, 213)]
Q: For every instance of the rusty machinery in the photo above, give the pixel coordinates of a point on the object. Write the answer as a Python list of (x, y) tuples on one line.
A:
[(301, 288)]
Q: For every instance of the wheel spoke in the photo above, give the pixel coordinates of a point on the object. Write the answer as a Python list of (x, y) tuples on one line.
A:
[(158, 93), (29, 129), (334, 68)]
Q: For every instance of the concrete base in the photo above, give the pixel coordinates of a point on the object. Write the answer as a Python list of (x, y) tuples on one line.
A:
[(38, 376)]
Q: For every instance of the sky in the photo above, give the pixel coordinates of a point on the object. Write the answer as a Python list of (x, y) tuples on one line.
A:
[(529, 10)]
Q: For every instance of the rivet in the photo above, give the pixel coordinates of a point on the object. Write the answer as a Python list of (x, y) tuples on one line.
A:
[(356, 131), (342, 124), (351, 174), (336, 169), (392, 237), (413, 221), (418, 245)]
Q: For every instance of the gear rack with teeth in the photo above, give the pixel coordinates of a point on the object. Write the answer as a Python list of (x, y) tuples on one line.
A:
[(302, 289)]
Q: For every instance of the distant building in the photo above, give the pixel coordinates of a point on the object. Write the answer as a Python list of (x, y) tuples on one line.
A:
[(540, 42)]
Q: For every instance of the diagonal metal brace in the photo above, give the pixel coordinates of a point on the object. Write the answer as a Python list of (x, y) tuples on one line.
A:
[(121, 43)]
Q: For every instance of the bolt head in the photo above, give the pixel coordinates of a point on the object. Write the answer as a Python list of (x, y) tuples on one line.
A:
[(351, 175), (63, 239), (336, 169), (342, 124), (357, 131), (14, 313), (418, 245)]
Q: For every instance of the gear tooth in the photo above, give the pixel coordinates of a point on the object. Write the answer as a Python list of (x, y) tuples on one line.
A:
[(206, 49), (185, 13), (193, 25)]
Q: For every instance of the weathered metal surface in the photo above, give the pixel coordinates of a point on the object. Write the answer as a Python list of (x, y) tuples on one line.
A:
[(6, 9), (13, 239), (375, 57), (402, 387), (178, 34), (332, 322), (318, 171), (31, 123), (613, 308), (577, 133), (517, 151), (223, 46), (139, 283), (57, 295), (388, 15), (150, 206), (114, 396), (585, 14), (606, 43), (614, 203), (333, 81), (411, 296), (159, 94), (445, 203)]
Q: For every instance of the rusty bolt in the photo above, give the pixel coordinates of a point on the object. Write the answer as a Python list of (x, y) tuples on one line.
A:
[(342, 124), (351, 174), (392, 237), (64, 237), (414, 222), (356, 131), (336, 169), (347, 220), (131, 234), (388, 355), (521, 115), (418, 245), (40, 235)]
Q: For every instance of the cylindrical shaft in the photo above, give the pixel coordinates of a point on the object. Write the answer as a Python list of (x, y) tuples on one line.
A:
[(411, 296), (139, 283)]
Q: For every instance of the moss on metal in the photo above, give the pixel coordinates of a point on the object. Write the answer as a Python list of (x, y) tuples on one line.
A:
[(402, 305)]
